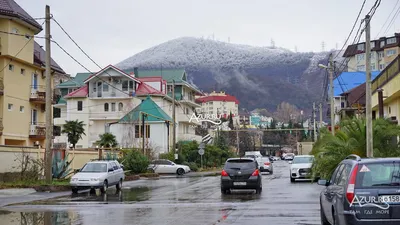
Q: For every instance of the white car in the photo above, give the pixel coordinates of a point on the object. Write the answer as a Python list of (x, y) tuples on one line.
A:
[(98, 174), (289, 156), (164, 166), (257, 156), (300, 167)]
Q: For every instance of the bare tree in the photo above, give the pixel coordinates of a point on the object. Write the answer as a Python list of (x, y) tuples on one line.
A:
[(286, 112)]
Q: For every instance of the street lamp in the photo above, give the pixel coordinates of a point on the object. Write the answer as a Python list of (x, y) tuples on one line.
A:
[(330, 70)]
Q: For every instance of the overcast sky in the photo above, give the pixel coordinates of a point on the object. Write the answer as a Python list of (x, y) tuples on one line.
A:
[(111, 31)]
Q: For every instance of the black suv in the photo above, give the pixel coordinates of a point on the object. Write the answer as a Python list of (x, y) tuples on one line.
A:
[(362, 191), (241, 173)]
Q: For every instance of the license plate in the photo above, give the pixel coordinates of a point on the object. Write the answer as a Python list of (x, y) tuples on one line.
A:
[(389, 198), (239, 183)]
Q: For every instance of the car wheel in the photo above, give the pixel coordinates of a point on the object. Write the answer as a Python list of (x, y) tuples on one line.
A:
[(105, 187), (292, 180), (324, 221), (75, 190), (258, 190), (271, 172), (180, 171), (119, 185)]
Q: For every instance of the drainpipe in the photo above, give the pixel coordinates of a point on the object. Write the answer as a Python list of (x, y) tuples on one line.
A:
[(380, 102)]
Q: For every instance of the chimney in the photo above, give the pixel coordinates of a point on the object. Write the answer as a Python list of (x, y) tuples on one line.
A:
[(136, 71)]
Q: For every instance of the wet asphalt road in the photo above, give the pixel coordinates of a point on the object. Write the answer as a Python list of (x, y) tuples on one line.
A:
[(188, 200)]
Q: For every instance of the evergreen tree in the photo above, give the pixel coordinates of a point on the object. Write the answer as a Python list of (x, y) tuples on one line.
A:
[(230, 121)]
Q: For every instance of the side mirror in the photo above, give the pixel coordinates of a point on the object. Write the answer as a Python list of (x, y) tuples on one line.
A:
[(323, 182), (122, 167), (111, 170)]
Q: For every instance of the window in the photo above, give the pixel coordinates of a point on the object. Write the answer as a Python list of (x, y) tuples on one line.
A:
[(391, 52), (15, 30), (372, 55), (120, 106), (131, 85), (11, 67), (379, 175), (107, 128), (113, 106), (390, 110), (373, 68), (105, 87), (105, 107), (139, 131), (169, 88), (80, 105), (345, 174), (381, 55), (336, 173), (372, 44), (391, 40), (186, 129), (10, 107), (360, 57), (381, 66), (360, 47), (22, 71), (21, 109), (382, 44), (125, 85), (361, 68)]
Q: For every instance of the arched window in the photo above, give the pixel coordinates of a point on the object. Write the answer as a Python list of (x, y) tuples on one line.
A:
[(120, 106), (106, 107)]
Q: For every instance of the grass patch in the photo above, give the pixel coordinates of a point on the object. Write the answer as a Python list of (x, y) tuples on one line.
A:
[(38, 185)]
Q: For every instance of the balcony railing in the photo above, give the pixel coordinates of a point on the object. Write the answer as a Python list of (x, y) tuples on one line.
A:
[(386, 75), (38, 94), (1, 86), (37, 130)]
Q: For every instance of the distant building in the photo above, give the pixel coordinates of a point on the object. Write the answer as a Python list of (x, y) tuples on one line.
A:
[(383, 51), (219, 103), (260, 121)]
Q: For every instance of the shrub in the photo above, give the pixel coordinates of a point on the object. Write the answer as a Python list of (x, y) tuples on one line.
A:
[(193, 166), (135, 161)]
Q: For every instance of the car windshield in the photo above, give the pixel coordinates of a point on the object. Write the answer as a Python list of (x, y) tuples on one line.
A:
[(378, 175), (240, 164), (95, 168), (297, 160)]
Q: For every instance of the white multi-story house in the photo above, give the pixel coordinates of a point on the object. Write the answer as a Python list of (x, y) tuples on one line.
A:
[(105, 97), (113, 97)]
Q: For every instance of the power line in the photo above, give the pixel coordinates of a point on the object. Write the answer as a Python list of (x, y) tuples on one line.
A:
[(352, 29), (22, 35), (387, 19), (392, 21)]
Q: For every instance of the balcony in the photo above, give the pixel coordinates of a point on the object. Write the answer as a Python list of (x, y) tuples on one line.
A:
[(1, 87), (38, 94), (190, 100), (59, 121), (37, 131)]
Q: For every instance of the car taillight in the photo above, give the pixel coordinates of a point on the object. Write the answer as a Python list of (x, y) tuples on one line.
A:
[(255, 173), (352, 184), (267, 163), (224, 173)]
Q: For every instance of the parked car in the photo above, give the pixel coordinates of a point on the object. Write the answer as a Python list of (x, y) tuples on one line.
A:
[(362, 191), (98, 174), (164, 166), (300, 167), (257, 156), (289, 156), (241, 173), (267, 165)]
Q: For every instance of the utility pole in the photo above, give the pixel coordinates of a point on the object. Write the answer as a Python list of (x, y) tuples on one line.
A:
[(331, 69), (49, 127), (320, 115), (144, 133), (368, 116), (173, 118), (314, 116)]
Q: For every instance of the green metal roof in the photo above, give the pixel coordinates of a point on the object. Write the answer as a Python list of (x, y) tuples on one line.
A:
[(62, 101), (167, 74), (148, 106), (77, 81)]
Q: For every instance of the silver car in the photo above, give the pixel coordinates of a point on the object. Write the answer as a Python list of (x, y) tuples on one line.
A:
[(164, 166), (267, 165), (98, 174)]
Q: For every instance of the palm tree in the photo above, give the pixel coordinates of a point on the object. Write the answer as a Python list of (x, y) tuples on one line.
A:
[(330, 150), (107, 140), (74, 130)]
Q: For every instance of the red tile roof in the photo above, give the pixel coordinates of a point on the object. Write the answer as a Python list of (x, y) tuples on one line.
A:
[(226, 98), (80, 93), (145, 89)]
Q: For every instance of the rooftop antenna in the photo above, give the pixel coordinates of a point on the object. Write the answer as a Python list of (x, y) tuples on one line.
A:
[(272, 43), (323, 46)]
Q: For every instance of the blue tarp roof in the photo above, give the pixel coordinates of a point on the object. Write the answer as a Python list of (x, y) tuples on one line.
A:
[(349, 80)]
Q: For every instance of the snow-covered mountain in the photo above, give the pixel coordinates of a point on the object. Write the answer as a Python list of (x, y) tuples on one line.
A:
[(257, 76)]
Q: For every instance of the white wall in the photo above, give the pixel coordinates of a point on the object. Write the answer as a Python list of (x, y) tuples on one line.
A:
[(158, 141)]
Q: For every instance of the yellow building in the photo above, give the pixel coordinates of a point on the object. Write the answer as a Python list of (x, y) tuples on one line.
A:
[(22, 78), (389, 81)]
